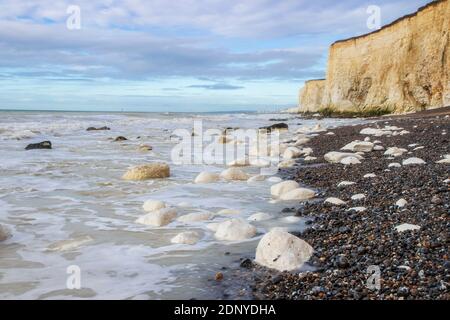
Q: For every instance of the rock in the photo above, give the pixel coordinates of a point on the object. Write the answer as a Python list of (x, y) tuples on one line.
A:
[(413, 161), (276, 126), (446, 159), (259, 216), (406, 227), (188, 237), (436, 200), (153, 205), (309, 158), (40, 145), (395, 152), (335, 201), (358, 197), (155, 170), (301, 142), (394, 165), (218, 276), (226, 212), (292, 219), (346, 183), (349, 161), (243, 162), (257, 178), (298, 194), (359, 146), (195, 217), (120, 138), (336, 157), (283, 187), (207, 177), (4, 233), (98, 129), (145, 148), (246, 263), (370, 175), (235, 230), (234, 174), (282, 251), (375, 132), (286, 164), (378, 148), (358, 209), (158, 218), (292, 153), (401, 203)]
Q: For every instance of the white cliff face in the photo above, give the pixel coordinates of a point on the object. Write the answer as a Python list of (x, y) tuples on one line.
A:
[(402, 67)]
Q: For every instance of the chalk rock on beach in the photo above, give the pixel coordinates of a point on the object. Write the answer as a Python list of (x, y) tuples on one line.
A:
[(282, 251), (300, 194), (234, 174), (188, 237), (195, 217), (401, 203), (345, 184), (406, 227), (226, 212), (286, 164), (255, 179), (155, 170), (158, 218), (206, 177), (394, 165), (395, 152), (292, 153), (446, 159), (283, 187), (336, 157), (413, 161), (4, 233), (349, 161), (153, 205), (335, 201), (359, 146), (358, 197), (235, 230)]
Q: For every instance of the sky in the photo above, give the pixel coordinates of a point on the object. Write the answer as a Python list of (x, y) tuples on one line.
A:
[(179, 56)]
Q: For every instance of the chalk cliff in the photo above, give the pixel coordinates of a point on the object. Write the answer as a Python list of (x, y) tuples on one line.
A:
[(403, 66)]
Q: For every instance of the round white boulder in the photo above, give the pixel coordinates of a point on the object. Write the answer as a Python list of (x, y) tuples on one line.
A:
[(235, 230), (282, 251), (283, 187), (206, 177), (298, 194), (259, 216), (195, 217), (158, 218), (234, 174), (335, 201), (413, 161)]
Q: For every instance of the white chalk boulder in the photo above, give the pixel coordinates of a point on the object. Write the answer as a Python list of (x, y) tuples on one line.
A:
[(358, 197), (292, 153), (282, 251), (413, 161), (188, 237), (283, 187), (153, 205), (335, 201), (349, 161), (359, 146), (257, 178), (195, 217), (345, 184), (286, 163), (395, 152), (401, 203), (259, 216), (234, 174), (148, 171), (158, 218), (406, 227), (206, 177), (235, 230), (336, 157), (299, 194)]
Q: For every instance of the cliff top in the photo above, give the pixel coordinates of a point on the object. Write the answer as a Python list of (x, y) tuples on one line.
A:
[(312, 80), (431, 4)]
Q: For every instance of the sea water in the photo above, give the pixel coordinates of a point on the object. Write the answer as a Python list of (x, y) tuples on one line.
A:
[(69, 207)]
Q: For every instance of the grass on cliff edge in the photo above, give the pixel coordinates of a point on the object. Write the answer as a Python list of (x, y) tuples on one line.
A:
[(330, 112)]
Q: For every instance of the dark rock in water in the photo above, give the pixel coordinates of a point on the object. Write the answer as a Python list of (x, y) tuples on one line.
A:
[(276, 126), (40, 145), (120, 138), (247, 263), (97, 129), (278, 120)]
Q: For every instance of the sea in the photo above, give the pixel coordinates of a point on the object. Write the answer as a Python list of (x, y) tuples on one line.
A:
[(73, 218)]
